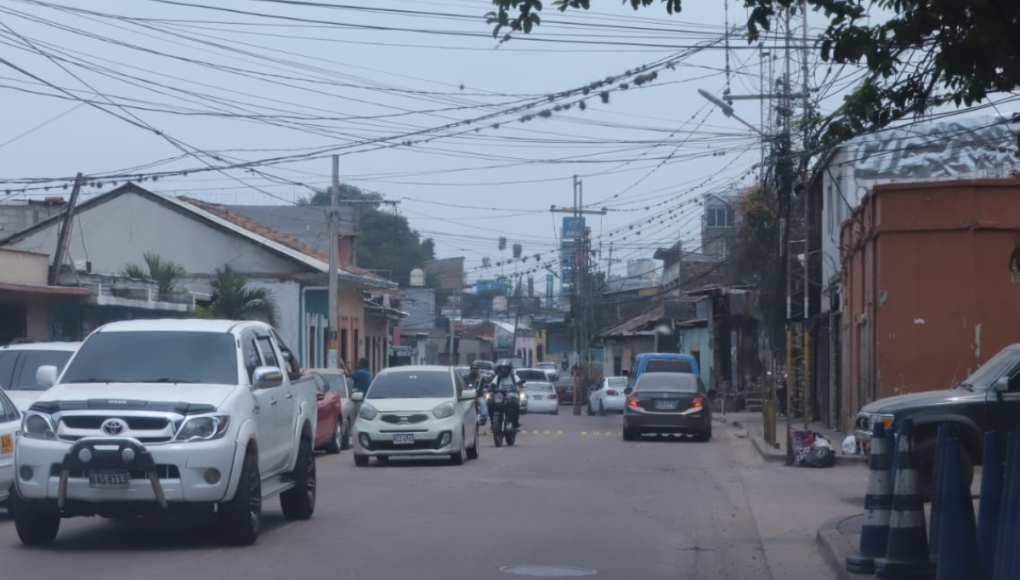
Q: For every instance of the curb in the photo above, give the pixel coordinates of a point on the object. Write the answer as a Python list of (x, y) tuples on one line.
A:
[(834, 548), (766, 453)]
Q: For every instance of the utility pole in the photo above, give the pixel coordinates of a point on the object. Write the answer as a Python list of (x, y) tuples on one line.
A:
[(805, 179), (64, 236), (334, 250)]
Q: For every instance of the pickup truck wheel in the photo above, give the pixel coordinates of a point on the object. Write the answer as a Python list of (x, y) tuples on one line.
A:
[(298, 503), (242, 516), (35, 527), (335, 443), (924, 451), (360, 460)]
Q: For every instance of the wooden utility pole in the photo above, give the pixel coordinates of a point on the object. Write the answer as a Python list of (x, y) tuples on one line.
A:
[(65, 233), (334, 250)]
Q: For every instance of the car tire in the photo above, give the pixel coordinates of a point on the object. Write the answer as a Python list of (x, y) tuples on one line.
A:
[(472, 451), (602, 409), (242, 516), (706, 435), (458, 457), (35, 527), (360, 460), (630, 434), (556, 411), (345, 442), (335, 443), (591, 412), (298, 502)]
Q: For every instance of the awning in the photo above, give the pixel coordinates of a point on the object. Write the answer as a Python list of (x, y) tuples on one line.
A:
[(47, 290)]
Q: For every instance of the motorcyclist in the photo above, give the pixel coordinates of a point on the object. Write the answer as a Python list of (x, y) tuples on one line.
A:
[(506, 382), (474, 381)]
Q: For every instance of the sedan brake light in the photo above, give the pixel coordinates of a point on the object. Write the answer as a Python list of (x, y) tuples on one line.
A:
[(551, 396), (699, 401), (612, 393), (633, 401)]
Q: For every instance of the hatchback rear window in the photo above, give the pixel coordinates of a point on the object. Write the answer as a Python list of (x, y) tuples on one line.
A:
[(680, 383), (665, 365)]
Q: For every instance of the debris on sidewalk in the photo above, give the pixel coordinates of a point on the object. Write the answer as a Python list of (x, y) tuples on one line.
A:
[(812, 449), (850, 446)]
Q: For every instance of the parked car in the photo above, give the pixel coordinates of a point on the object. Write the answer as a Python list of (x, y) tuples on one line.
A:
[(182, 416), (339, 385), (668, 403), (416, 410), (551, 370), (20, 362), (10, 423), (542, 398), (987, 400), (485, 367), (329, 430), (608, 395), (661, 362)]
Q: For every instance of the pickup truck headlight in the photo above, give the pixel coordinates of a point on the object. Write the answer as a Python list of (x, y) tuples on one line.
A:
[(368, 412), (203, 428), (38, 426), (443, 411)]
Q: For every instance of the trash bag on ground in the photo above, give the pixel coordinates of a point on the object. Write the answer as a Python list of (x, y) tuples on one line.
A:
[(850, 445), (811, 449)]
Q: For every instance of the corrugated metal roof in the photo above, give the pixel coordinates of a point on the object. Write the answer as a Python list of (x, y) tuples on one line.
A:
[(633, 326)]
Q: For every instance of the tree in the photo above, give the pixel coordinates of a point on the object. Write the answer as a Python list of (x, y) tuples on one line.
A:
[(925, 55), (164, 272), (387, 243), (755, 259), (233, 299)]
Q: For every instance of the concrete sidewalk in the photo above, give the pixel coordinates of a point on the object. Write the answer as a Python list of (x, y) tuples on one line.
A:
[(755, 425)]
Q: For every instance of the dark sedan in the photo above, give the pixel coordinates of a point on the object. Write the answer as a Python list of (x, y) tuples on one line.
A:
[(668, 403)]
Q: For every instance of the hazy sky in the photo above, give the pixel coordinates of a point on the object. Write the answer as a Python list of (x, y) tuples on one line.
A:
[(291, 79)]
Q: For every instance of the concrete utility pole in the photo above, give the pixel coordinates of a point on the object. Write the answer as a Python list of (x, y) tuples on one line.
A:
[(334, 250), (65, 233)]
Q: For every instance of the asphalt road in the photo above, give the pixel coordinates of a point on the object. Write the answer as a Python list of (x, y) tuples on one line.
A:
[(571, 493)]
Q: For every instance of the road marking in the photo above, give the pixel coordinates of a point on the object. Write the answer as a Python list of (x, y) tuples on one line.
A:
[(597, 433), (584, 432), (559, 432), (547, 433), (609, 433)]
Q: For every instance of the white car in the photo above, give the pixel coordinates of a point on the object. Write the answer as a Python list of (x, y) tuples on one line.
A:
[(20, 362), (416, 410), (159, 417), (609, 395), (542, 398), (551, 370), (10, 422)]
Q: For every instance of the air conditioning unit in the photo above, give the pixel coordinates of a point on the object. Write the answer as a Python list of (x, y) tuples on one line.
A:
[(83, 266)]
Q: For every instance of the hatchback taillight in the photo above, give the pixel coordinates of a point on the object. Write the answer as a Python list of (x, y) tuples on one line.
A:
[(612, 393)]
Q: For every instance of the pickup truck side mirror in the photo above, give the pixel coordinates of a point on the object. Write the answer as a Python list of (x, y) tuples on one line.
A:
[(46, 376), (267, 377), (1001, 385), (358, 397)]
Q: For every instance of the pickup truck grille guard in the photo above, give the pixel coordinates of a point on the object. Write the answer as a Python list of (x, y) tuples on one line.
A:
[(109, 453)]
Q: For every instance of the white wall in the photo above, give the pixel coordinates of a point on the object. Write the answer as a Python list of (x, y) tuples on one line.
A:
[(120, 231), (288, 305)]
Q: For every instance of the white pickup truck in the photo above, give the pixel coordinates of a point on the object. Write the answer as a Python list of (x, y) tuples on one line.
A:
[(159, 417)]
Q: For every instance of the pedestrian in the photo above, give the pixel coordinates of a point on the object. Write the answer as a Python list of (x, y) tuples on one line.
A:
[(362, 377)]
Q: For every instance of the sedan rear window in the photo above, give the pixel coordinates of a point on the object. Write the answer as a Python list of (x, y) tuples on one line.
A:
[(411, 385), (664, 365), (532, 376), (671, 382), (155, 357)]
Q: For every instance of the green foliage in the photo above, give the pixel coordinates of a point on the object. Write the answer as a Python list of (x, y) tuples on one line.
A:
[(164, 272), (925, 55), (387, 244), (756, 258), (232, 299)]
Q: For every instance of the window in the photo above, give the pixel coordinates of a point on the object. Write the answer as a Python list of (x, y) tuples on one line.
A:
[(8, 412), (662, 365), (719, 217), (31, 361), (412, 384), (155, 357), (268, 354), (7, 367), (252, 360), (669, 382), (460, 384)]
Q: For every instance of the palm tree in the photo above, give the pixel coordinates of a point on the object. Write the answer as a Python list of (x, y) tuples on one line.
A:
[(164, 272), (232, 299)]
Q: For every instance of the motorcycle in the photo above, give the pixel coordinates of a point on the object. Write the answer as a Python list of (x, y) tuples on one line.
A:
[(502, 426)]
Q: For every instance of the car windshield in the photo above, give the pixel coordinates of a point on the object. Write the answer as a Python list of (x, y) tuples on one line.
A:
[(991, 370), (678, 382), (155, 357), (31, 360), (411, 384), (532, 375), (668, 365)]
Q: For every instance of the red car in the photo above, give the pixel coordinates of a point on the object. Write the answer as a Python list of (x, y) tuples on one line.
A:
[(329, 435)]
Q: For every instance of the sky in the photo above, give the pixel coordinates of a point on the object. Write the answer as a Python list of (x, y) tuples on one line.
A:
[(420, 101)]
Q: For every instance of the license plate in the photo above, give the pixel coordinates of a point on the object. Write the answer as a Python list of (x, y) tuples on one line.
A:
[(109, 479), (537, 397), (6, 444), (666, 405), (403, 439)]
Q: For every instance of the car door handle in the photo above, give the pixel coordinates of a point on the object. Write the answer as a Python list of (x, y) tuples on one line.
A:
[(290, 396), (273, 403)]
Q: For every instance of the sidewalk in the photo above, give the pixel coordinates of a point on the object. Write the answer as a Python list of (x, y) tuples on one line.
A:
[(754, 424)]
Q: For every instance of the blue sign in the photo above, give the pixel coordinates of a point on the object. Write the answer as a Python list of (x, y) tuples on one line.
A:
[(573, 228)]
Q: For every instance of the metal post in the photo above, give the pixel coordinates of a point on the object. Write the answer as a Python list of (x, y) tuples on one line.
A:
[(334, 317)]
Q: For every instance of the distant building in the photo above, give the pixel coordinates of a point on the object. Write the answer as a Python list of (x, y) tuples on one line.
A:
[(719, 225), (17, 215)]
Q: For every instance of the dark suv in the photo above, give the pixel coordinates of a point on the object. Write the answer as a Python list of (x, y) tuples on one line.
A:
[(988, 400)]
